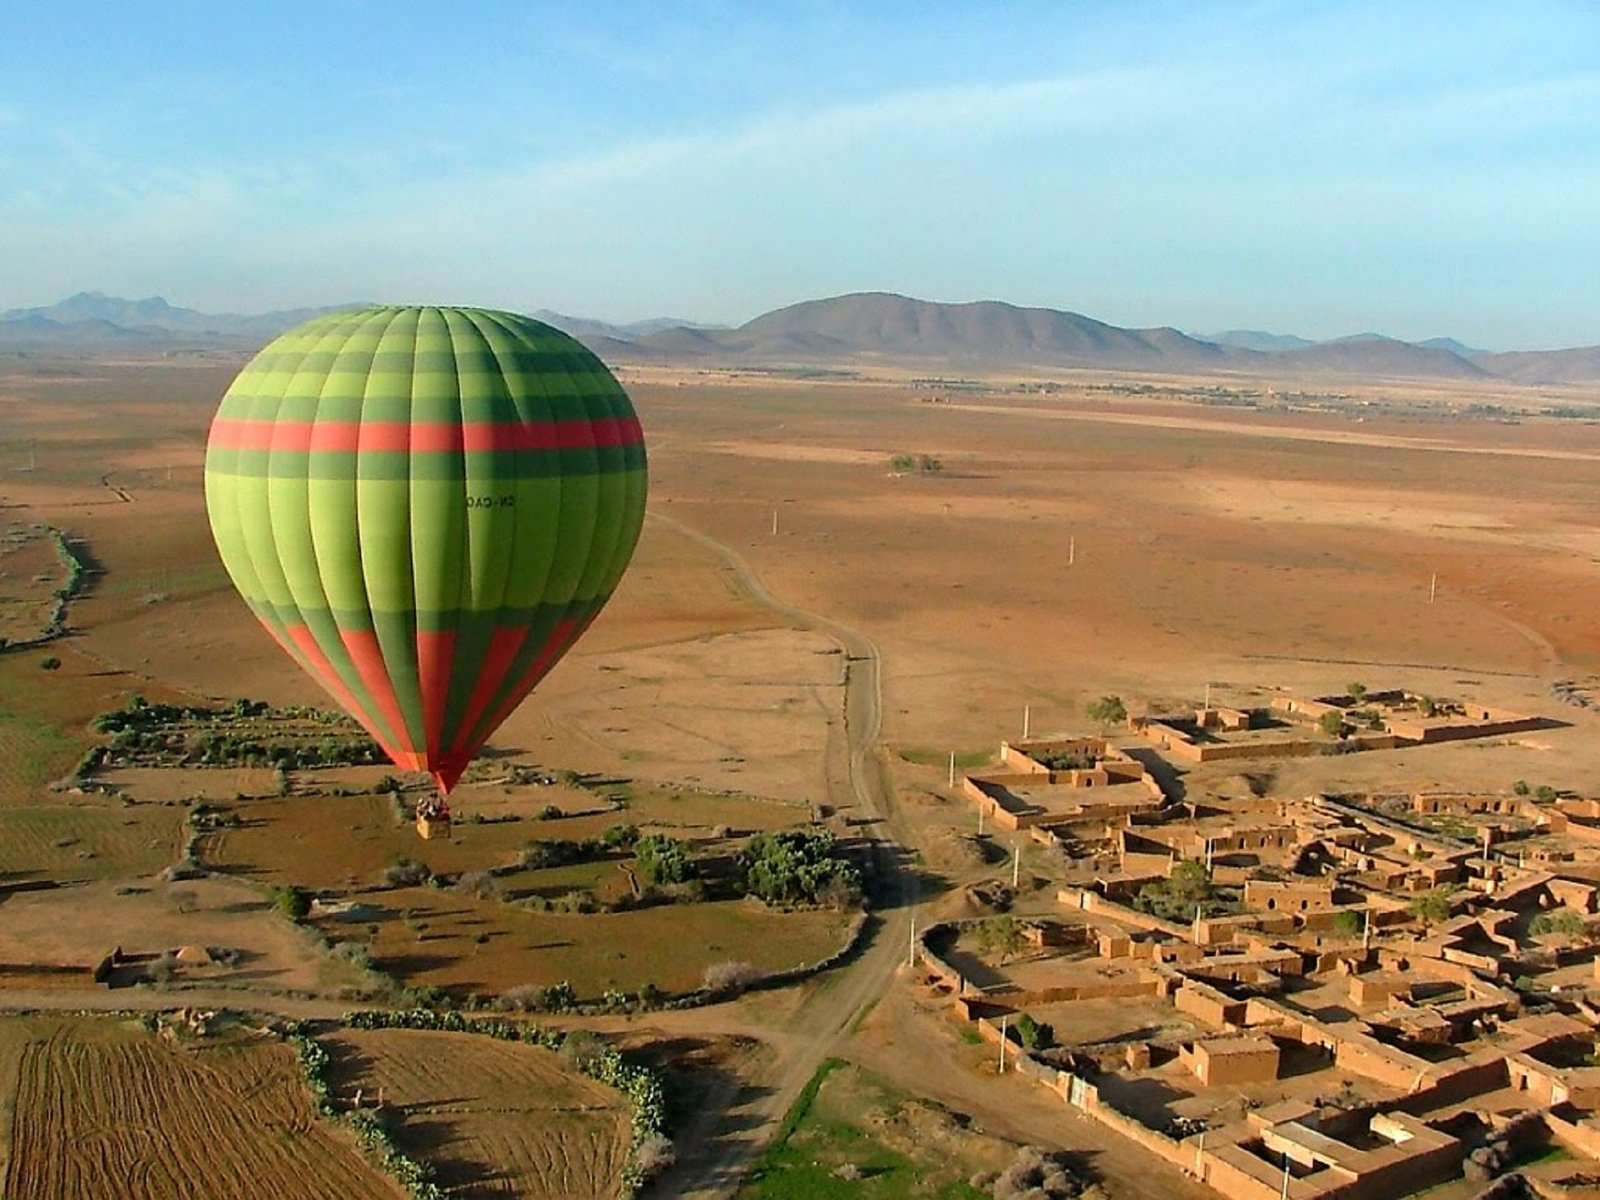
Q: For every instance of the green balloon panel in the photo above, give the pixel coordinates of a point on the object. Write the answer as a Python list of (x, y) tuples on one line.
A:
[(426, 507)]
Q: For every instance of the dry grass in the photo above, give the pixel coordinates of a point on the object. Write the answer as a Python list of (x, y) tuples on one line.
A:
[(101, 1101), (493, 1118)]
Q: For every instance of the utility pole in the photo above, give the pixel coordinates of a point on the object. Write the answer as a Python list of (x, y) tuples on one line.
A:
[(774, 522), (1027, 720), (1284, 1195), (1003, 1021), (1433, 587), (1072, 550), (1016, 862), (980, 818), (911, 957), (1208, 694), (952, 780)]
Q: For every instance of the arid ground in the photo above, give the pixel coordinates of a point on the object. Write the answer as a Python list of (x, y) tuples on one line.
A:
[(806, 631)]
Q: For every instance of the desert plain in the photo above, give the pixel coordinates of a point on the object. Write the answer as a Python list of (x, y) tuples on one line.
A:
[(852, 586)]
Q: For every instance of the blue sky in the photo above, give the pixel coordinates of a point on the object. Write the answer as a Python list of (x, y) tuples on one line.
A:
[(1313, 168)]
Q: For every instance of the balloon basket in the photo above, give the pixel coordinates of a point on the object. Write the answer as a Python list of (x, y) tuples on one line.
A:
[(433, 821)]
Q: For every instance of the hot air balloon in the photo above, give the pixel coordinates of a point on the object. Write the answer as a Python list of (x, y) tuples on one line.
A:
[(426, 507)]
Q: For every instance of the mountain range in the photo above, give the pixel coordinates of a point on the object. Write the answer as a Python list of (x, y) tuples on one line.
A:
[(857, 329)]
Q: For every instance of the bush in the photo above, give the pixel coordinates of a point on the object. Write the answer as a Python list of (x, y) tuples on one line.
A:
[(406, 872), (622, 835), (1108, 710), (291, 902), (662, 859), (1564, 921), (1331, 723), (795, 867), (1035, 1174), (1035, 1035), (582, 1050), (50, 663), (478, 884), (730, 976)]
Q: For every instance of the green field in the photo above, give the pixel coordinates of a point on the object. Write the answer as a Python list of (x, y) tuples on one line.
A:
[(850, 1134)]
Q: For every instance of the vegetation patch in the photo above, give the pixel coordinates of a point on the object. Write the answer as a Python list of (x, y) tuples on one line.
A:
[(246, 733), (850, 1134)]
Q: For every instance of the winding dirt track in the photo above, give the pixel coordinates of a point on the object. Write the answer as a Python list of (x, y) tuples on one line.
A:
[(824, 1023)]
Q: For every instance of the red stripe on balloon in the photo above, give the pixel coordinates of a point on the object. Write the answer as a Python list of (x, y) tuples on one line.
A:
[(565, 633), (436, 652), (504, 643), (303, 648), (422, 437), (364, 650)]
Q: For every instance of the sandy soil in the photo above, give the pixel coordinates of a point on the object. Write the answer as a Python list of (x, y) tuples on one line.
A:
[(97, 1101), (493, 1118), (1098, 539)]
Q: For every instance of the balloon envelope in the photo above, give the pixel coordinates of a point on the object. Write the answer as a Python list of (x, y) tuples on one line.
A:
[(426, 507)]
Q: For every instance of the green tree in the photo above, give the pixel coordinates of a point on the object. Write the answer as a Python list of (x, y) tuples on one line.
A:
[(1427, 706), (1002, 935), (1521, 788), (1357, 691), (1348, 924), (903, 464), (1331, 722), (929, 465), (1430, 907), (1108, 710), (797, 867), (291, 902), (1035, 1035), (662, 859)]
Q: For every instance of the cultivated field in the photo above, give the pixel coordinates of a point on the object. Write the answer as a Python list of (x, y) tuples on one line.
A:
[(494, 1118), (101, 1106)]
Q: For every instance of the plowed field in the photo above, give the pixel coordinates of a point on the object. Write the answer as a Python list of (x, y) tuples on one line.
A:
[(493, 1118), (101, 1109)]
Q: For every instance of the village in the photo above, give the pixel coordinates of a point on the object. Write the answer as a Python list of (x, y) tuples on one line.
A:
[(1334, 997)]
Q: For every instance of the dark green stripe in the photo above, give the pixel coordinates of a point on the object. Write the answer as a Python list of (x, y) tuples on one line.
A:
[(442, 464)]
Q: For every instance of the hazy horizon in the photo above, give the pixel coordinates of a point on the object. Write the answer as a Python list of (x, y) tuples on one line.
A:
[(1424, 173)]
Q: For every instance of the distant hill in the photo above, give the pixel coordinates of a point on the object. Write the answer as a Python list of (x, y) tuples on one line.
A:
[(90, 319), (860, 328), (1450, 344), (881, 325), (1580, 365), (1256, 339), (1372, 354)]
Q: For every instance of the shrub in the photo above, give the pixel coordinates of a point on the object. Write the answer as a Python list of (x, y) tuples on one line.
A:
[(1348, 924), (1520, 787), (291, 902), (478, 884), (662, 859), (654, 1155), (1108, 710), (1564, 921), (582, 1050), (1035, 1035), (50, 663), (621, 835), (1331, 722), (406, 872), (730, 976), (550, 812), (795, 866)]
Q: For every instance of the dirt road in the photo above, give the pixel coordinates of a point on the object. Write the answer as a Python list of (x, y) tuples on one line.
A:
[(823, 1023)]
